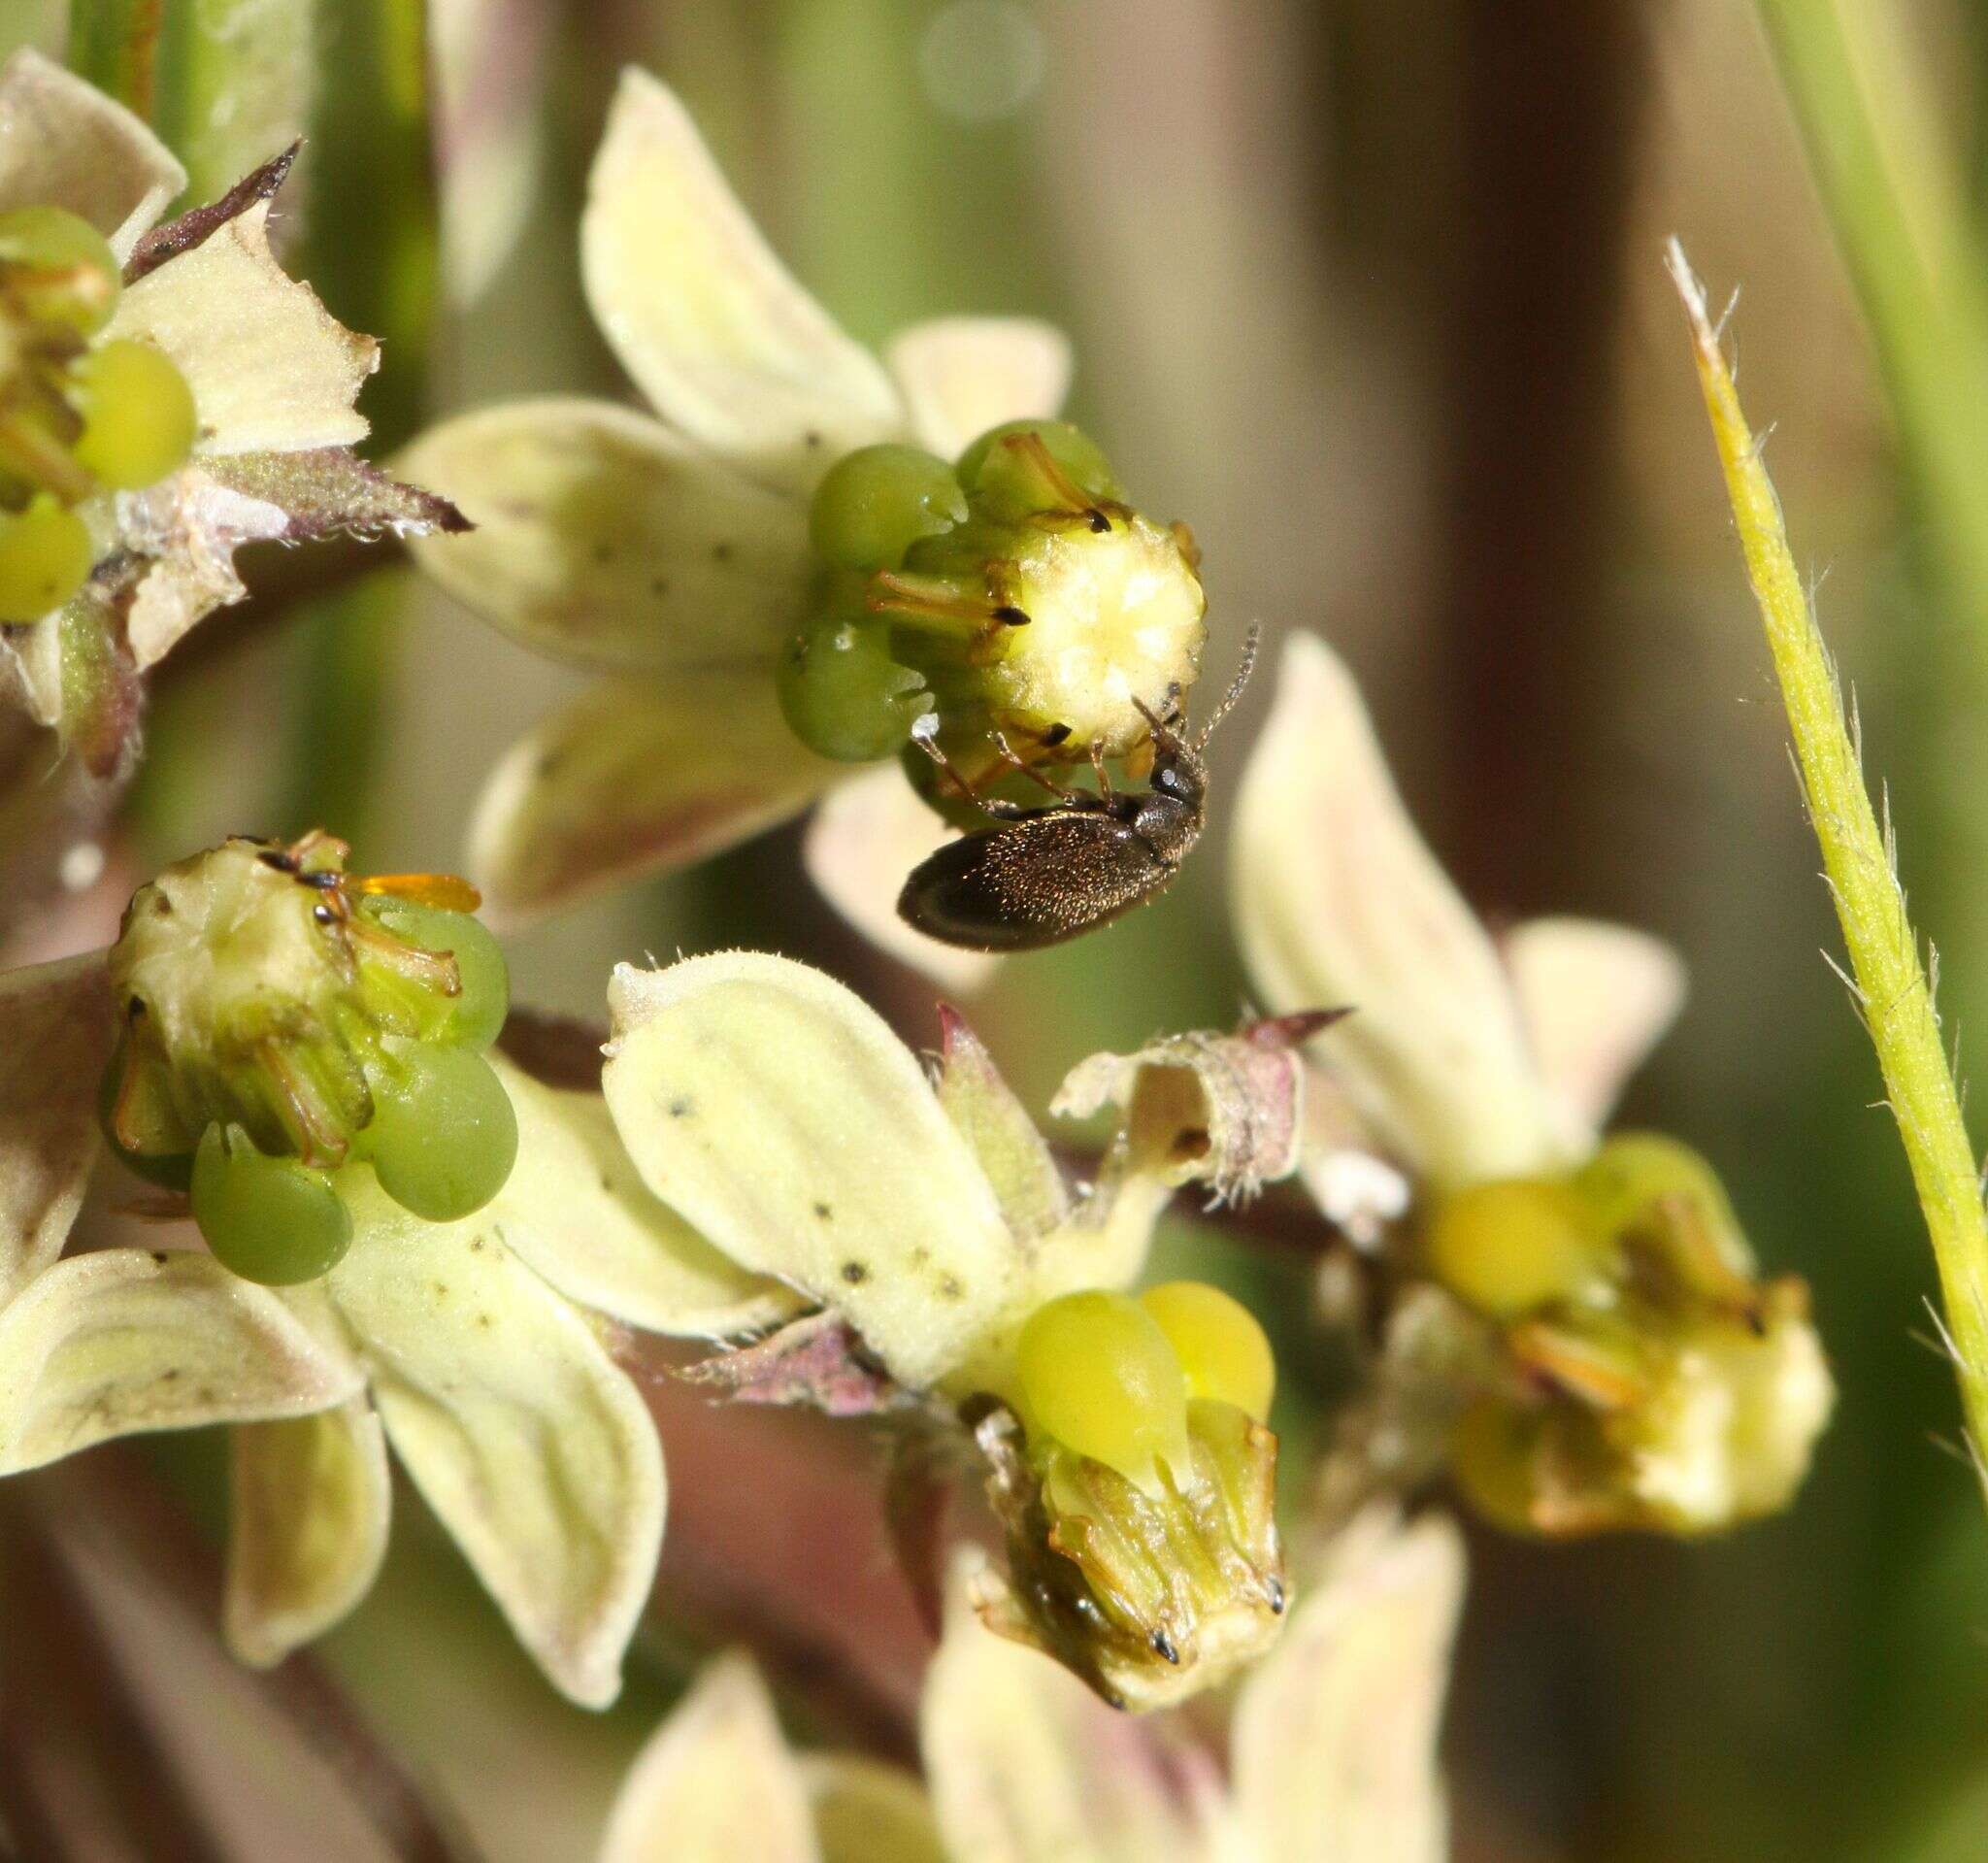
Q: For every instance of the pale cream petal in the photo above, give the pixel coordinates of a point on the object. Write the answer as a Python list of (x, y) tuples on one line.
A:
[(962, 374), (1026, 1764), (129, 1340), (1333, 1747), (309, 1503), (711, 326), (1594, 999), (521, 1433), (576, 1212), (57, 1025), (65, 144), (602, 537), (271, 369), (1337, 902), (716, 1783), (866, 1811), (634, 778), (778, 1112), (31, 667), (862, 842)]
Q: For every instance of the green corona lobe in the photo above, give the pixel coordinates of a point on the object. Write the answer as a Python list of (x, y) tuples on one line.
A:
[(1515, 1245), (267, 1219), (878, 501), (44, 558), (443, 1136), (1222, 1349), (1012, 478), (475, 1015), (57, 268), (1099, 1376), (841, 693), (138, 416)]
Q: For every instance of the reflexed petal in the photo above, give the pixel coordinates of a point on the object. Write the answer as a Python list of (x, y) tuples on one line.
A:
[(864, 839), (708, 322), (1337, 901), (963, 375), (575, 1209), (309, 1500), (65, 144), (634, 778), (716, 1783), (1594, 999), (604, 537), (866, 1811), (1353, 1186), (1026, 1764), (1019, 1165), (782, 1116), (516, 1426), (271, 369), (1334, 1742), (57, 1025), (112, 1343), (192, 523), (1221, 1109)]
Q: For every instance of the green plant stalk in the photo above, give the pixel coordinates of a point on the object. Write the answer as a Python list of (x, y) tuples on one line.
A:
[(372, 254), (227, 83), (115, 44), (1916, 265), (1893, 993)]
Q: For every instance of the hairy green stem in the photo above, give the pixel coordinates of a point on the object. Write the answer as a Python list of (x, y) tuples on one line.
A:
[(1891, 985)]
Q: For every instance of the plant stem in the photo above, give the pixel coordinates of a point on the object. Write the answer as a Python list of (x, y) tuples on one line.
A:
[(374, 255), (1891, 986), (1915, 263)]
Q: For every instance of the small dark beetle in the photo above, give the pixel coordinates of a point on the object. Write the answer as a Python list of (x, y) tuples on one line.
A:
[(1046, 874)]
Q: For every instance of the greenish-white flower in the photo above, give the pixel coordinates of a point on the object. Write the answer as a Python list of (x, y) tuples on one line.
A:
[(1331, 1749), (266, 450), (672, 551), (1615, 1356), (965, 1287), (476, 1349)]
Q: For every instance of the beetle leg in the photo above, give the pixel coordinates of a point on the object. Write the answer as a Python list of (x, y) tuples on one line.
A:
[(1105, 789), (987, 805), (1034, 775)]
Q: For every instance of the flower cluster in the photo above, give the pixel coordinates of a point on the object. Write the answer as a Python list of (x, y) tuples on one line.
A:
[(391, 1232)]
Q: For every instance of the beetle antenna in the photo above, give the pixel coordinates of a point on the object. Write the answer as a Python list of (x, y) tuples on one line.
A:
[(1236, 686)]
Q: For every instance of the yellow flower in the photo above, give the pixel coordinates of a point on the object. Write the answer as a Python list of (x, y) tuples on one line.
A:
[(1331, 1749), (1591, 1304)]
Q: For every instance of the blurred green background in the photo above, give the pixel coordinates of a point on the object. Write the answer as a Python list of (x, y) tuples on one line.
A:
[(1370, 294)]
